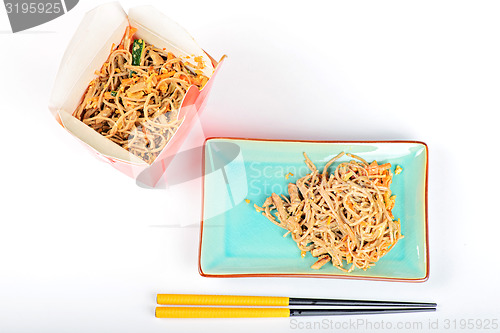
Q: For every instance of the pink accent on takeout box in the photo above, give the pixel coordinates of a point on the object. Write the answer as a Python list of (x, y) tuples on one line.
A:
[(112, 16)]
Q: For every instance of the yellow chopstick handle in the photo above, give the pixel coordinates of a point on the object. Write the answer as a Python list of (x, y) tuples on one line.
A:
[(183, 299), (206, 312)]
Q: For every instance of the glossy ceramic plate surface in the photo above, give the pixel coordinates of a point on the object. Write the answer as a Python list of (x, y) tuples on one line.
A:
[(237, 241)]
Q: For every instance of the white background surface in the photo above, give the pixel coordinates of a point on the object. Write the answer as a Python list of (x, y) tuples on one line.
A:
[(83, 248)]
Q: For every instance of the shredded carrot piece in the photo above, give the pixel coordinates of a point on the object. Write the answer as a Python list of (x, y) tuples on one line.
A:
[(166, 75), (128, 81), (132, 32)]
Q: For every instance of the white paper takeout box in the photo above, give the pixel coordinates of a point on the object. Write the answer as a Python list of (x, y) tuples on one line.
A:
[(89, 49)]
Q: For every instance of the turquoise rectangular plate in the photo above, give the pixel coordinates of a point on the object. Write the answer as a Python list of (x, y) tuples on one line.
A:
[(236, 241)]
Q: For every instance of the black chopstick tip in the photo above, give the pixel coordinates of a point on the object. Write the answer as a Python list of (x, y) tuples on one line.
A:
[(356, 311), (345, 302)]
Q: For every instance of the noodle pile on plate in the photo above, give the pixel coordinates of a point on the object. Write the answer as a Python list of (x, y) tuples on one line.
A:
[(135, 99), (342, 216)]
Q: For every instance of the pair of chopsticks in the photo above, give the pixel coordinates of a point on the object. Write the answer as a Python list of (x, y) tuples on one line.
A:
[(227, 306)]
